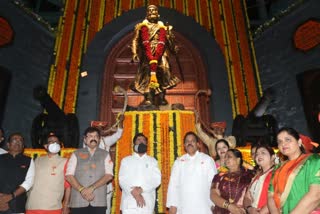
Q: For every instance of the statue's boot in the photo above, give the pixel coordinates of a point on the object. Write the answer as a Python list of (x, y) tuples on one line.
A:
[(148, 99), (163, 100)]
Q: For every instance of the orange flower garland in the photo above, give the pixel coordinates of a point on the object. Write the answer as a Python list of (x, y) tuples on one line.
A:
[(240, 88), (72, 83), (246, 56), (153, 58), (63, 55)]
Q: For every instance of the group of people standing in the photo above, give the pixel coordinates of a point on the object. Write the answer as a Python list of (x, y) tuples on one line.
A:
[(198, 183), (55, 185), (291, 186)]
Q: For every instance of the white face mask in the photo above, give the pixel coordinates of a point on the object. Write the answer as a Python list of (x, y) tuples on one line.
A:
[(54, 148)]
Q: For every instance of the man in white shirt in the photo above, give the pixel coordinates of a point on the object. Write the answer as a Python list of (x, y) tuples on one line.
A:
[(139, 176), (190, 180)]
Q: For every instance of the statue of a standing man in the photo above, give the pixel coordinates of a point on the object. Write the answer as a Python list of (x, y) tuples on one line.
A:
[(150, 46)]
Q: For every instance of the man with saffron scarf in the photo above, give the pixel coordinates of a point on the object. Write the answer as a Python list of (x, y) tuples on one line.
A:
[(149, 47), (295, 186)]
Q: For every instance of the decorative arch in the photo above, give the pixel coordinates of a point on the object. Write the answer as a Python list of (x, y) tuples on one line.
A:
[(88, 104)]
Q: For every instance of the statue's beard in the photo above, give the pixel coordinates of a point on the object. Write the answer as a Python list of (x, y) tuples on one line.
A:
[(153, 18)]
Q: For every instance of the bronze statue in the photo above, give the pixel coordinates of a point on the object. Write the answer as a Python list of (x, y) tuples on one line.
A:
[(151, 45)]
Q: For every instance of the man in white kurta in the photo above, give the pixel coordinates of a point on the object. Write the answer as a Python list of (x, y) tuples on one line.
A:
[(139, 176), (190, 180)]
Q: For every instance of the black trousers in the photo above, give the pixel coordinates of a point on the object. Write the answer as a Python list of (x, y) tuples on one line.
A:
[(89, 210)]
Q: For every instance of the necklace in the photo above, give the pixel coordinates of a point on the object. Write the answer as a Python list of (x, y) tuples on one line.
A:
[(267, 170), (231, 200)]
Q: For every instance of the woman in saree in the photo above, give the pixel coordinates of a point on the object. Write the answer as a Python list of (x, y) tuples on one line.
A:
[(228, 188), (295, 186), (257, 195)]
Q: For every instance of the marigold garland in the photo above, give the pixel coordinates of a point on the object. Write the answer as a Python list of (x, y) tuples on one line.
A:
[(72, 83), (153, 58), (221, 36), (63, 55), (150, 136), (235, 59), (158, 155), (109, 11), (248, 56), (93, 18)]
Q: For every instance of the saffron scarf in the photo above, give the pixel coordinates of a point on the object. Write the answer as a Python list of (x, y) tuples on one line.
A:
[(282, 174)]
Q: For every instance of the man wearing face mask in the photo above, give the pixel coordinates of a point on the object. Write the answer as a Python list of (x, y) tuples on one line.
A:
[(190, 180), (50, 192), (88, 171), (139, 176)]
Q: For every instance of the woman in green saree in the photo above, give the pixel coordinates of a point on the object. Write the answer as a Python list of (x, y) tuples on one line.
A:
[(295, 187)]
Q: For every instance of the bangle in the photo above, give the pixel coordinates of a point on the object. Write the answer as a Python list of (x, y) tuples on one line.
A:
[(226, 204), (13, 195), (81, 188)]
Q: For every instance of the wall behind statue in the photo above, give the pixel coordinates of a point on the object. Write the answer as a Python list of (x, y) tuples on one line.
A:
[(280, 62), (27, 59)]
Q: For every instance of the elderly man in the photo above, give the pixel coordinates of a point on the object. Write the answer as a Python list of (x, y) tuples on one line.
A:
[(217, 131), (89, 169), (139, 176), (50, 192), (17, 174), (190, 180)]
